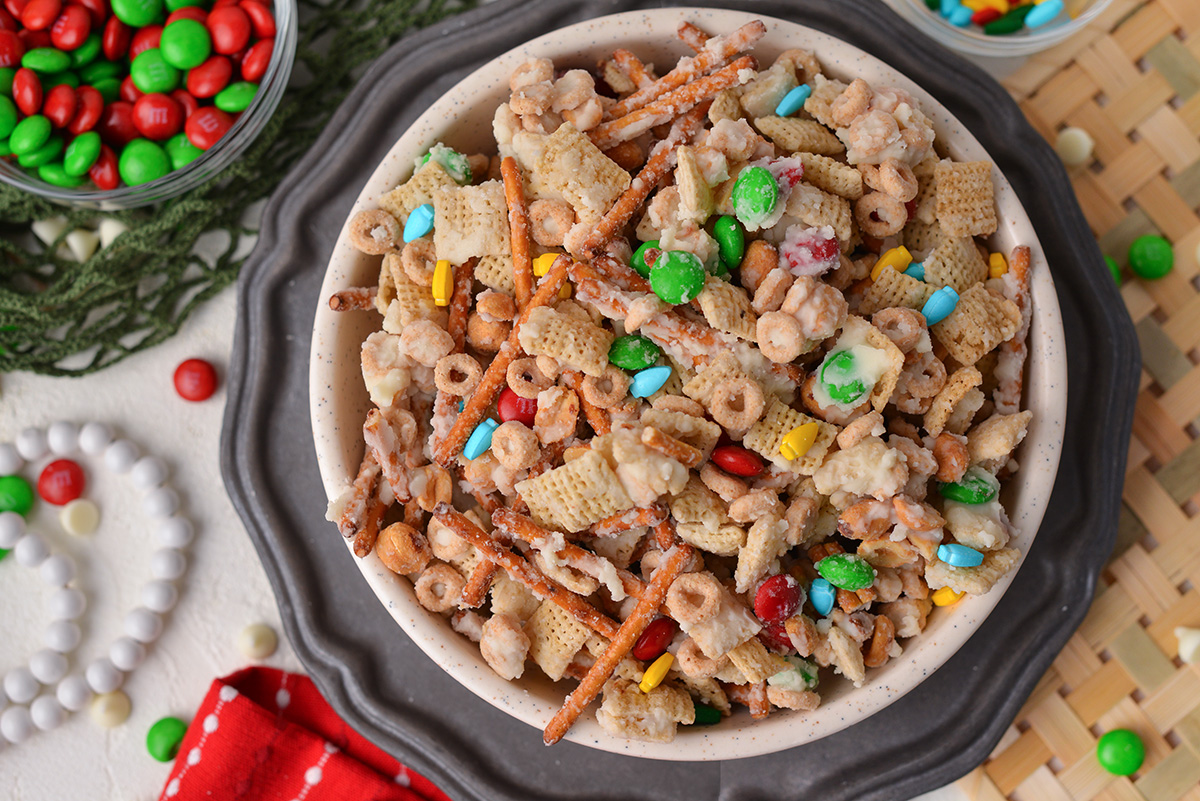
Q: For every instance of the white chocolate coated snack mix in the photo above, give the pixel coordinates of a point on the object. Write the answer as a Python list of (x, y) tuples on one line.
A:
[(699, 390)]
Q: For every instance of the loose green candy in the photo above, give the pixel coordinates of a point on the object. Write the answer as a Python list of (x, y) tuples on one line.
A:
[(185, 44), (151, 73), (1120, 752), (976, 486), (840, 376), (58, 79), (81, 153), (638, 260), (3, 553), (1151, 256), (706, 715), (29, 134), (847, 571), (8, 117), (15, 495), (142, 161), (86, 53), (237, 96), (164, 737), (45, 59), (633, 352), (109, 89), (181, 151), (100, 70), (175, 5), (731, 241), (754, 196), (137, 13), (1113, 268), (6, 78), (677, 276), (55, 174), (50, 150), (5, 148), (1011, 22)]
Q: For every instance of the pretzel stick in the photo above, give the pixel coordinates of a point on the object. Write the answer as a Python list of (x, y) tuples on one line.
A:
[(357, 509), (657, 166), (597, 418), (664, 535), (478, 584), (520, 570), (629, 519), (364, 540), (358, 298), (460, 302), (672, 448), (486, 499), (632, 66), (687, 72), (495, 377), (672, 104), (622, 642), (1011, 361), (412, 513), (382, 440), (518, 230), (752, 695), (692, 36)]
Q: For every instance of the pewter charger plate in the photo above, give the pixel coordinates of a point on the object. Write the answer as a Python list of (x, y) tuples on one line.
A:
[(386, 687)]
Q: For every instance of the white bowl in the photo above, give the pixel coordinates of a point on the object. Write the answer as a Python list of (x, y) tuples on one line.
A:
[(462, 119)]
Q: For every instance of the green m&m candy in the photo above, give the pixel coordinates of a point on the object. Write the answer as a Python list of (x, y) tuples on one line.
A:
[(638, 260), (1120, 752), (456, 165), (976, 486), (55, 174), (137, 13), (237, 96), (142, 161), (99, 71), (677, 276), (1151, 256), (847, 571), (6, 78), (754, 196), (633, 352), (45, 59), (151, 72), (59, 78), (181, 151), (731, 241), (185, 43), (29, 134), (50, 150), (175, 5), (705, 715), (86, 53), (841, 377), (82, 153), (5, 149), (1113, 268), (8, 117), (109, 89), (164, 737), (15, 495)]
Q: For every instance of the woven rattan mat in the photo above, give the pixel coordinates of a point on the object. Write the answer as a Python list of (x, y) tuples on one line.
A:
[(1133, 82)]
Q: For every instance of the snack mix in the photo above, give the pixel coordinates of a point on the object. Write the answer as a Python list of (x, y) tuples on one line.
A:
[(699, 391)]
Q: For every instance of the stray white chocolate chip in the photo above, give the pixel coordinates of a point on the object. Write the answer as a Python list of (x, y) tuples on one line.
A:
[(1189, 644), (110, 709), (1074, 146), (79, 517), (257, 641)]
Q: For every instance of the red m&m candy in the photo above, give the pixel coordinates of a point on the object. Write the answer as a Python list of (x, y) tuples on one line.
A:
[(511, 406), (71, 28), (157, 116), (39, 15), (61, 482), (777, 598), (737, 460), (104, 172), (115, 39), (206, 126), (260, 18), (60, 105), (27, 91), (210, 77), (89, 106), (655, 639), (195, 380), (230, 29)]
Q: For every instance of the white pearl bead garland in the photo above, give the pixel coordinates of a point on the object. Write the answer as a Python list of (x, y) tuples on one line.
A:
[(48, 667)]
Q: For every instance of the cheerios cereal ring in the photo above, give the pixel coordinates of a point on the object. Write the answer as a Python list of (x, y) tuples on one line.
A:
[(374, 232), (694, 598), (892, 177), (549, 222), (694, 663), (851, 103), (677, 403), (438, 588), (418, 260), (515, 446), (457, 374), (606, 391), (780, 336), (879, 214), (737, 404), (772, 291), (925, 377), (902, 326), (525, 379)]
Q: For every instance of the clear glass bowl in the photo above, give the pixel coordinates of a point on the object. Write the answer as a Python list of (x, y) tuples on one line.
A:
[(973, 41), (244, 131)]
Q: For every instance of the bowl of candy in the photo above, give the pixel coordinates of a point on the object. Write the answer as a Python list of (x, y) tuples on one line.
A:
[(125, 103), (999, 28), (688, 415)]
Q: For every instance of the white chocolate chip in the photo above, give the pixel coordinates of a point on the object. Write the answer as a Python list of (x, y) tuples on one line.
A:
[(49, 229), (79, 517), (1189, 644), (1074, 146), (257, 641), (110, 229), (110, 710), (82, 243)]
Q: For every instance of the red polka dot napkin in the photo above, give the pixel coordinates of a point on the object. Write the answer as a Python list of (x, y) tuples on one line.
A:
[(264, 734)]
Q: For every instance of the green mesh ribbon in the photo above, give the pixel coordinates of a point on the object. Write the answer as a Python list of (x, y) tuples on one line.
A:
[(62, 317)]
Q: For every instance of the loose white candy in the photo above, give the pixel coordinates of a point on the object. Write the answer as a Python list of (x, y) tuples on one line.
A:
[(257, 641), (48, 229), (10, 460), (94, 438), (67, 604), (63, 636), (109, 230), (110, 709), (83, 243), (175, 532), (79, 517), (160, 596), (161, 502), (47, 713), (1189, 644), (31, 550), (1074, 146), (167, 564), (103, 676), (31, 444), (73, 693), (16, 724), (127, 653), (120, 456), (143, 625), (58, 570), (148, 473), (12, 528), (63, 437), (20, 686), (48, 666)]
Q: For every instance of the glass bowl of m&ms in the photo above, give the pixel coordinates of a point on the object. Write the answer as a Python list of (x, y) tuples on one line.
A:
[(999, 28), (121, 103)]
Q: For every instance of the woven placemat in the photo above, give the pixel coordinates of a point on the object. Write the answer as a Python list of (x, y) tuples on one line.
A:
[(1133, 82)]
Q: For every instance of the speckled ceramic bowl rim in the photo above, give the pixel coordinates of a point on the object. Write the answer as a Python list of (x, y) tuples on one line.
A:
[(338, 400)]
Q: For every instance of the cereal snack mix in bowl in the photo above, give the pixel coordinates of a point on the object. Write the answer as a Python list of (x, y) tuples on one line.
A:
[(694, 412)]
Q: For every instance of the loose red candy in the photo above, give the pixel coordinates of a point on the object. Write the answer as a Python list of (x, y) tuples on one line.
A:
[(129, 91), (983, 16), (71, 29), (61, 482), (260, 18), (511, 406), (775, 637), (257, 59), (157, 116), (188, 12), (59, 106), (89, 106), (97, 10), (11, 49), (104, 172), (655, 639), (195, 380), (737, 460), (210, 77), (40, 14), (186, 102), (146, 38), (230, 29), (16, 7), (777, 598), (27, 91), (115, 39), (116, 124)]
